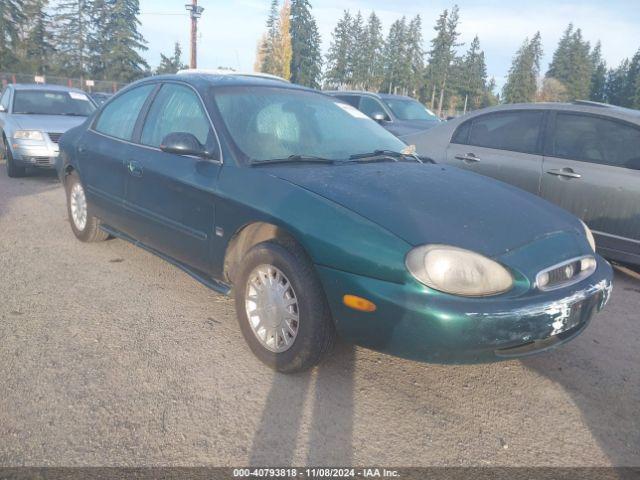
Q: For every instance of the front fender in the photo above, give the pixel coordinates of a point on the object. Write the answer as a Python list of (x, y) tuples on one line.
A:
[(332, 235)]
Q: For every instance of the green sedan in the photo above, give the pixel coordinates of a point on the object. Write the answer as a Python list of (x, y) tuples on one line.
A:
[(321, 223)]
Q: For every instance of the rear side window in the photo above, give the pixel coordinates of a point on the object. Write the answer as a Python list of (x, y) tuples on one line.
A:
[(176, 108), (596, 139), (514, 131), (118, 119)]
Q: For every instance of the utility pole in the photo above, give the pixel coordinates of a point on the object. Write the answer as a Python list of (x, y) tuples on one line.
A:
[(195, 13)]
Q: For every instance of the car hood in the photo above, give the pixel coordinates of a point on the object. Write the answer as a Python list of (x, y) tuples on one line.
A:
[(47, 123), (424, 204)]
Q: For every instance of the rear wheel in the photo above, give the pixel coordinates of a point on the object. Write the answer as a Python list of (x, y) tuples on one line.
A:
[(281, 308), (13, 170), (85, 226)]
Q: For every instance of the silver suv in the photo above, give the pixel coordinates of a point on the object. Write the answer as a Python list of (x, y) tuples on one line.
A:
[(32, 120), (583, 156)]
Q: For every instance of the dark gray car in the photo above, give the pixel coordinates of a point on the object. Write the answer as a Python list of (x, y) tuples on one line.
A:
[(399, 114), (32, 120), (583, 156)]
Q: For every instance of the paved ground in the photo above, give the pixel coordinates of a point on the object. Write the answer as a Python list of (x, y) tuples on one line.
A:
[(110, 356)]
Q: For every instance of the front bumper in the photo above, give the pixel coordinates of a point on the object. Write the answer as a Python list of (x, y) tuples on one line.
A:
[(412, 321), (30, 153)]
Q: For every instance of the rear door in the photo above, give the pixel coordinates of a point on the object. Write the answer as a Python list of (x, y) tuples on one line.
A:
[(102, 150), (592, 168), (172, 195), (504, 145)]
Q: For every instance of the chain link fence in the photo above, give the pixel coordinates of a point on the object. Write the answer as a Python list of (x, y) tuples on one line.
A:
[(86, 84)]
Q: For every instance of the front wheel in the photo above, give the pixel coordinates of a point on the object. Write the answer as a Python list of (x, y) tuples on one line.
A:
[(281, 308), (13, 170), (85, 226)]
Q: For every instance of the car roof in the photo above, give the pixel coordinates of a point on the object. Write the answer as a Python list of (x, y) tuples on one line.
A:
[(201, 79), (44, 86), (371, 94), (577, 106)]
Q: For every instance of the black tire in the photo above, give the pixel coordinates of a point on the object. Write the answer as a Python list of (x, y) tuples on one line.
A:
[(316, 331), (91, 231), (13, 170)]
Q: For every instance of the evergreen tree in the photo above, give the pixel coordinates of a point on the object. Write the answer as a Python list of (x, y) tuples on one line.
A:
[(521, 83), (372, 50), (395, 66), (37, 48), (442, 54), (73, 20), (354, 53), (171, 64), (338, 74), (572, 64), (10, 17), (473, 76), (632, 83), (100, 23), (122, 42), (598, 76), (616, 86), (270, 40), (306, 56), (415, 55)]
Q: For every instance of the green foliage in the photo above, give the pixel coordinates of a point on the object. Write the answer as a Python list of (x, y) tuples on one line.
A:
[(521, 83), (372, 46), (269, 43), (572, 64), (171, 64), (306, 56), (338, 73), (597, 89), (36, 50), (73, 23), (10, 17)]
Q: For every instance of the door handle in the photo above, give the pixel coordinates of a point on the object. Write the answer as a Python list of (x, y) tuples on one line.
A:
[(135, 169), (564, 172), (469, 158)]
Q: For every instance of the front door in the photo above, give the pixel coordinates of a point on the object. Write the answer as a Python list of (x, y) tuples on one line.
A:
[(592, 169), (504, 145), (173, 195)]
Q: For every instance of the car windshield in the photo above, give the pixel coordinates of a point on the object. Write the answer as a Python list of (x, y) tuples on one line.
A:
[(277, 123), (407, 109), (51, 102)]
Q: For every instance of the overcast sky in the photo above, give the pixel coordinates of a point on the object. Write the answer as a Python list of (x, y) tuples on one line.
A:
[(230, 29)]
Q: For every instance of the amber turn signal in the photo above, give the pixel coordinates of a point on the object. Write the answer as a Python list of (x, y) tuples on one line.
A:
[(359, 303)]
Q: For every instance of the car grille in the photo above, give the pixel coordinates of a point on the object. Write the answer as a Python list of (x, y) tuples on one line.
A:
[(44, 161), (55, 137), (566, 273)]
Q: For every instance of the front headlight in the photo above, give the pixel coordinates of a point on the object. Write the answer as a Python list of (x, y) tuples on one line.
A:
[(28, 135), (590, 238), (458, 271)]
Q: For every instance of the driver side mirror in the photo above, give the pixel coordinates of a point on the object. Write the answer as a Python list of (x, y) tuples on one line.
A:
[(183, 143), (379, 117)]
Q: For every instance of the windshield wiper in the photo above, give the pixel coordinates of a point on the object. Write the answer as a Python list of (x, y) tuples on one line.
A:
[(381, 155), (293, 159)]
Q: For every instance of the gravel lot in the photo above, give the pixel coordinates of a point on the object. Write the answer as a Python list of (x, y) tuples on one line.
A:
[(110, 356)]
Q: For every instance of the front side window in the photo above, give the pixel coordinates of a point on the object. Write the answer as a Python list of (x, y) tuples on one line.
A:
[(4, 101), (370, 106), (514, 131), (598, 140), (408, 109), (119, 117), (176, 108), (51, 102), (350, 99), (271, 123)]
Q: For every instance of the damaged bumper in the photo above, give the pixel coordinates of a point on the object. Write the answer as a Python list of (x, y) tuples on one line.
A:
[(414, 322)]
